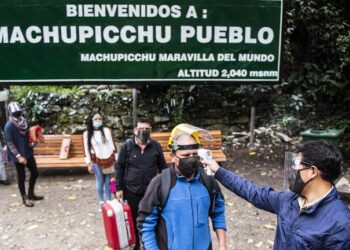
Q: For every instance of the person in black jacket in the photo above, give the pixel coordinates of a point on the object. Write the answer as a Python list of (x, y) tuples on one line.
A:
[(139, 160), (20, 152)]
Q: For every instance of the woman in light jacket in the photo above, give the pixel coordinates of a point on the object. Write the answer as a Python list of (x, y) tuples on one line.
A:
[(100, 151)]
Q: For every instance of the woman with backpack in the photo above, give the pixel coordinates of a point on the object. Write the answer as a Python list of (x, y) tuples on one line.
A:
[(100, 152), (20, 153)]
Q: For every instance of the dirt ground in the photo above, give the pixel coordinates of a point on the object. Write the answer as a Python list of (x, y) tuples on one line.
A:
[(68, 217)]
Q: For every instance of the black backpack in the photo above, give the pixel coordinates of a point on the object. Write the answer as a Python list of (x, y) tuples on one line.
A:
[(128, 145), (208, 181)]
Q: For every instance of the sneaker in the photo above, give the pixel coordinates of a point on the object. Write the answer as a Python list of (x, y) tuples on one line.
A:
[(27, 202), (35, 197), (5, 182)]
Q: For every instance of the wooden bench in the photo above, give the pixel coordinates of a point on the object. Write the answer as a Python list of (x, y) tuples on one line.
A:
[(47, 154)]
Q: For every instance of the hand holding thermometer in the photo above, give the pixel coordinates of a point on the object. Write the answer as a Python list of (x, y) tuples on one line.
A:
[(206, 155)]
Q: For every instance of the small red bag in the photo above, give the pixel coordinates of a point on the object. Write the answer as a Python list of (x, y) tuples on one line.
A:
[(35, 134)]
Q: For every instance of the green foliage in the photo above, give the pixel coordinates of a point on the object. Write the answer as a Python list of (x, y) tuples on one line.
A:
[(112, 96), (317, 49), (343, 49), (177, 99), (297, 102), (18, 93), (315, 66), (289, 113), (38, 100), (292, 125)]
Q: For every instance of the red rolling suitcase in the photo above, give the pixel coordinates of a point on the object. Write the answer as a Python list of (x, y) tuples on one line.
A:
[(119, 225)]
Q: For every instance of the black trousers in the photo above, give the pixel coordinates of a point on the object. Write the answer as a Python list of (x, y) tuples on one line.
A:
[(134, 200), (21, 176)]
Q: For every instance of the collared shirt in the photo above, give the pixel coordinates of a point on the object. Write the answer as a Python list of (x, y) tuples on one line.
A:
[(141, 146), (305, 206)]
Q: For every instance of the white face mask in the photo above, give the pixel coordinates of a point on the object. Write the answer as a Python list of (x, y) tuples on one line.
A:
[(97, 124)]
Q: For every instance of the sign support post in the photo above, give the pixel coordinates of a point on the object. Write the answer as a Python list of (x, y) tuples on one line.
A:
[(134, 106), (252, 114)]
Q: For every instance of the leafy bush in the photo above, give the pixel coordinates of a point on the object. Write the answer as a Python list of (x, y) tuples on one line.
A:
[(18, 93), (317, 49), (37, 100)]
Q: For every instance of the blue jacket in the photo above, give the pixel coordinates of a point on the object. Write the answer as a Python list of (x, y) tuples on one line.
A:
[(20, 142), (324, 225), (183, 222)]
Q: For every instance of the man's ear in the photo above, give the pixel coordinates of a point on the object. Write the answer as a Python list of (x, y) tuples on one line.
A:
[(315, 171), (135, 131)]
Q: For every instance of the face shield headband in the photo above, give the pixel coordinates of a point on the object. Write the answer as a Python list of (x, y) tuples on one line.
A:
[(175, 147)]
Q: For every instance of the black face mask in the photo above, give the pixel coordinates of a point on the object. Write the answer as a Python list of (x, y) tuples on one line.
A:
[(188, 165), (17, 114), (143, 136), (296, 184)]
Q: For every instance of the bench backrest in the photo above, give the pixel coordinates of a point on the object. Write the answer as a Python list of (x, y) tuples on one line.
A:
[(52, 146)]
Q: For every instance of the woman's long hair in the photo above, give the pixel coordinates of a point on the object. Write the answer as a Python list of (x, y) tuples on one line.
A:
[(90, 129)]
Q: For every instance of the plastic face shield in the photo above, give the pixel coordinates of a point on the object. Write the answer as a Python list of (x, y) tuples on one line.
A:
[(186, 130), (291, 163)]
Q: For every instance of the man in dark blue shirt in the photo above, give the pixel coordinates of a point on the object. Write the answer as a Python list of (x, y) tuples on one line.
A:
[(312, 216), (20, 152)]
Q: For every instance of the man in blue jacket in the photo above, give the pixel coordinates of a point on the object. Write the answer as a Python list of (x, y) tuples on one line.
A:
[(20, 152), (182, 222), (311, 216)]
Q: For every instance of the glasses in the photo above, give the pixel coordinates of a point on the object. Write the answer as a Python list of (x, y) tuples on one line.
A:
[(297, 163)]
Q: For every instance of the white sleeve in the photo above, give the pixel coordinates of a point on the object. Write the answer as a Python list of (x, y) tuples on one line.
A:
[(86, 148), (108, 134)]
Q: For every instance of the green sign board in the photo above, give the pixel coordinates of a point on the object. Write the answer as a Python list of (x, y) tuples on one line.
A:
[(125, 41)]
